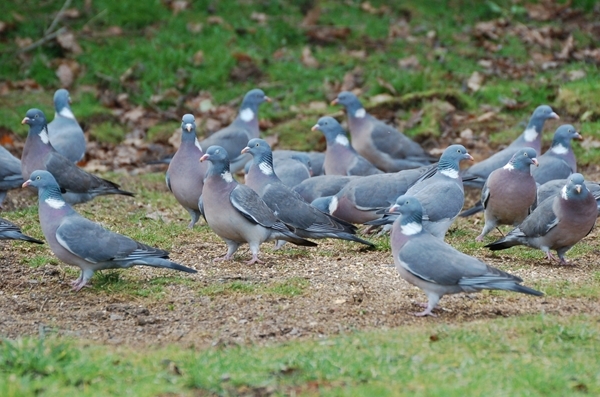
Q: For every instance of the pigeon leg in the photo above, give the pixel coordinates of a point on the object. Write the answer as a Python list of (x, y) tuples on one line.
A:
[(431, 304), (254, 250), (195, 214), (232, 246), (82, 281)]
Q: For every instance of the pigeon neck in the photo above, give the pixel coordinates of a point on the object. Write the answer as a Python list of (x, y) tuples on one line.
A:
[(52, 197), (533, 130), (559, 148), (448, 168), (221, 169), (40, 132), (65, 112), (340, 139), (189, 139), (264, 162), (248, 116), (355, 109), (411, 223)]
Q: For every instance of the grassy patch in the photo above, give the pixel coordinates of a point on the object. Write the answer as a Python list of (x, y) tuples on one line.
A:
[(291, 287)]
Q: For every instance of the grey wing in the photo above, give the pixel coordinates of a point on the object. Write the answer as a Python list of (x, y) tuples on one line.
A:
[(435, 261), (442, 200), (201, 207), (232, 138), (249, 204), (70, 177), (539, 222), (362, 166), (95, 244), (485, 194)]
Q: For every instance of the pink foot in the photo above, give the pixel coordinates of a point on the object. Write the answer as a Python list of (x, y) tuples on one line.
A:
[(79, 285), (479, 238), (254, 260), (424, 313), (222, 258)]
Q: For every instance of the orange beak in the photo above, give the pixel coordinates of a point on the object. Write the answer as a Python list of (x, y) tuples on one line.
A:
[(246, 149), (26, 183), (334, 102), (315, 127), (25, 120), (204, 157), (555, 116), (268, 99)]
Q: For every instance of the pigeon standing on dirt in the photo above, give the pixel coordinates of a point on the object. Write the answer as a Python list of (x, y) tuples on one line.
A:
[(77, 241), (442, 196), (236, 135), (477, 174), (66, 136), (435, 266), (236, 213), (185, 175), (10, 231), (289, 206), (76, 185), (340, 156), (556, 224), (382, 145), (509, 192), (559, 161), (10, 173)]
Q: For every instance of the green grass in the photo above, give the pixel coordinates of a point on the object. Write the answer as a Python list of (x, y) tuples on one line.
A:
[(535, 355), (291, 287)]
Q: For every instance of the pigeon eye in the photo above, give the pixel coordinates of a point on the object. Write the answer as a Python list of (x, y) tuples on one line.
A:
[(37, 177)]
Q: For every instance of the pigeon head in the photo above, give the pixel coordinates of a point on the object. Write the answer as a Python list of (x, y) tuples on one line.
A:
[(254, 98), (304, 159), (261, 153), (575, 188), (411, 212), (41, 179), (34, 118), (62, 99), (216, 154), (451, 158), (563, 136), (188, 123), (349, 101), (523, 159), (332, 130), (544, 112)]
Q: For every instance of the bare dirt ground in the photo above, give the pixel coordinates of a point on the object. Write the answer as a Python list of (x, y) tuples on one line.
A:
[(349, 289)]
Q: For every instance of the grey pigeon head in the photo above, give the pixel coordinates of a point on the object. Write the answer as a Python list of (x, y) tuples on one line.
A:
[(41, 180), (348, 100), (331, 128), (563, 136), (410, 209), (217, 156), (35, 119), (188, 123), (62, 99), (452, 157), (575, 188), (540, 115), (260, 151), (523, 159), (253, 99)]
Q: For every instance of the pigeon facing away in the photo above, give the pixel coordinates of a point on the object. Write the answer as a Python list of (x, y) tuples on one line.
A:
[(435, 266), (76, 185), (185, 175), (236, 213), (340, 156), (509, 192), (289, 206), (559, 161), (10, 231), (477, 174), (236, 135), (10, 173), (442, 196), (322, 186), (66, 136), (77, 241), (556, 224), (382, 145)]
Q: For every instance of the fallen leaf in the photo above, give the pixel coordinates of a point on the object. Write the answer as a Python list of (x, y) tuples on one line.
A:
[(308, 59), (487, 116), (194, 27), (317, 105), (23, 42), (215, 20), (411, 62), (259, 17), (198, 58), (568, 47), (312, 16), (475, 81), (71, 13), (385, 84), (68, 42), (67, 71), (179, 5), (576, 74), (134, 115)]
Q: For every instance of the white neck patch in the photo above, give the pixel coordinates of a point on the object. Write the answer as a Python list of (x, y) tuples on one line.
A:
[(197, 144), (530, 134), (247, 115), (66, 112), (411, 228), (227, 176), (44, 136), (265, 168), (563, 193), (559, 149), (55, 203), (333, 204), (342, 140), (509, 167), (449, 172), (360, 113)]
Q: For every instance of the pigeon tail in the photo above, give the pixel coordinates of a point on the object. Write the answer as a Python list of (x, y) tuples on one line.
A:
[(477, 208)]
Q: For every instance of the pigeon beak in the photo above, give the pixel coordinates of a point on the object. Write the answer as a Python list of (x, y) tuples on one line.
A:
[(578, 136), (555, 116), (394, 208), (334, 102), (204, 157), (469, 157), (314, 127), (25, 120), (246, 149), (268, 99), (534, 161), (188, 127), (578, 188), (26, 183)]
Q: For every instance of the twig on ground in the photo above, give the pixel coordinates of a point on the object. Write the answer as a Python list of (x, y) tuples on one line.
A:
[(58, 17)]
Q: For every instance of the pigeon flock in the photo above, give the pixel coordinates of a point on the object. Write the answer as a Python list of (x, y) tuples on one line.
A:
[(373, 176)]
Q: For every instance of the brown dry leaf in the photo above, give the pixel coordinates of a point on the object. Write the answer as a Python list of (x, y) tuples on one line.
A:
[(546, 10), (475, 81), (3, 26), (113, 31), (317, 105), (179, 5), (215, 20), (576, 74), (358, 54), (198, 58), (327, 34), (312, 16), (308, 59), (23, 42), (380, 98), (487, 116), (68, 42), (259, 17), (67, 72), (352, 80), (568, 47), (399, 29), (194, 27), (134, 115), (385, 84), (368, 7), (71, 13), (411, 62)]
